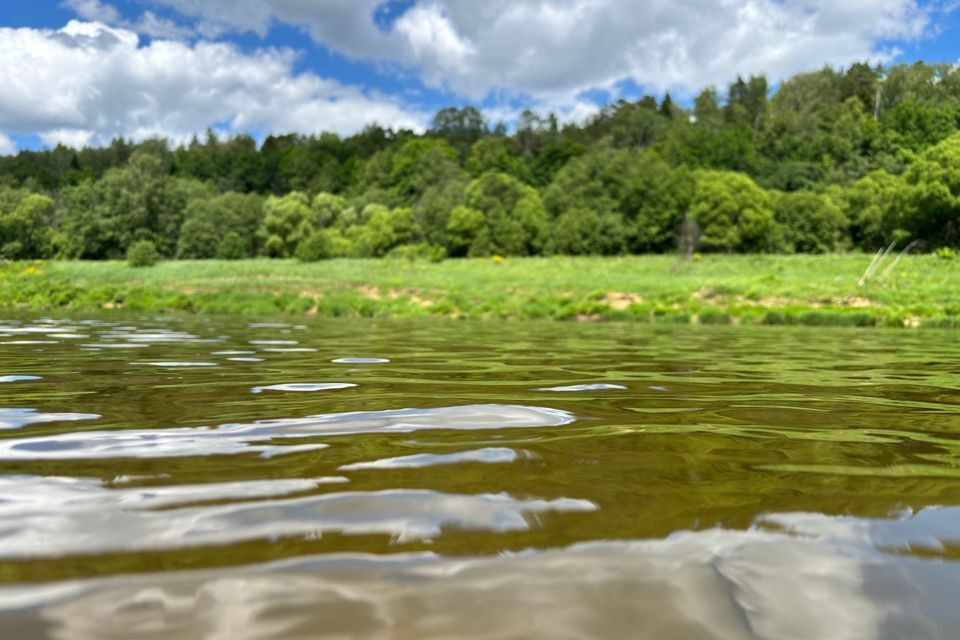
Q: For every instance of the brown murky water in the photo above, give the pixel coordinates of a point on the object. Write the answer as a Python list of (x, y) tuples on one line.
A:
[(184, 477)]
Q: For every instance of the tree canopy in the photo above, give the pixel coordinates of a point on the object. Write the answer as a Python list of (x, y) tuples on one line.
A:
[(829, 160)]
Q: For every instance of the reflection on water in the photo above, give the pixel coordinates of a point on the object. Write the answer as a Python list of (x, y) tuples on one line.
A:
[(18, 418), (476, 480), (305, 386), (587, 387), (69, 515), (19, 378), (711, 584), (239, 438), (489, 455)]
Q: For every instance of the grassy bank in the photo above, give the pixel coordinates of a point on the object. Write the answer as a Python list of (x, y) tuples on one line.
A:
[(811, 290)]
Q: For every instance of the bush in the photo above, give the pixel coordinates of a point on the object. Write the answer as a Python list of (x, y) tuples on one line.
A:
[(314, 247), (415, 252), (198, 240), (945, 253), (142, 253), (811, 223), (232, 247), (273, 248), (733, 213)]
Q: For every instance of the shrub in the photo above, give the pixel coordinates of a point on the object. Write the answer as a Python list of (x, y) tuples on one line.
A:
[(232, 247), (945, 253), (142, 253), (415, 252), (198, 240), (314, 247), (811, 223), (273, 248)]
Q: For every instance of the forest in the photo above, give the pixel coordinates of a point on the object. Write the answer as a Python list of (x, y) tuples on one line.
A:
[(827, 161)]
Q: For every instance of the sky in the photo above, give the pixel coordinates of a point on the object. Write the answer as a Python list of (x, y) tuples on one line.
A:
[(81, 72)]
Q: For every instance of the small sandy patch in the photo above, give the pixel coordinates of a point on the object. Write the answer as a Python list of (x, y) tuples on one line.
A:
[(621, 301), (369, 292), (708, 293), (416, 296), (854, 302)]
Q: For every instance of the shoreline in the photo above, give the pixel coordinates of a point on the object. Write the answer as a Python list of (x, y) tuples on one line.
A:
[(794, 290)]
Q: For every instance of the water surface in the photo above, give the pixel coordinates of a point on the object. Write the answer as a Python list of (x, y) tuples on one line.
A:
[(211, 477)]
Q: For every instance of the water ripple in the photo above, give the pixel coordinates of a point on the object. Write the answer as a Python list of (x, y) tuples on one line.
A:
[(19, 418), (489, 455), (715, 584), (4, 379), (586, 387), (304, 387), (255, 437), (51, 516), (173, 365)]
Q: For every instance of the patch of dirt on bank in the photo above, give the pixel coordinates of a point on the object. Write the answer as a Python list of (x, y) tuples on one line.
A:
[(620, 301), (854, 302), (369, 292), (416, 296), (718, 298)]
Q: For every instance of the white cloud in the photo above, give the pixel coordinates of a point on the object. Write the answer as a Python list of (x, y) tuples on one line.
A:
[(562, 47), (156, 27), (89, 82), (555, 49), (7, 146), (93, 10), (148, 23)]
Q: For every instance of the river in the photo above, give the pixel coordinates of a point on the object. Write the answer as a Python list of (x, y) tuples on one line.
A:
[(220, 478)]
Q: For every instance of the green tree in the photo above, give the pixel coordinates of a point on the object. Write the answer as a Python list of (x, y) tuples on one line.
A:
[(930, 204), (199, 240), (644, 192), (463, 229), (385, 229), (142, 253), (810, 222), (233, 246), (496, 154), (733, 213), (316, 246), (871, 206), (135, 202), (331, 210), (586, 232), (460, 127), (287, 221), (26, 232), (514, 216)]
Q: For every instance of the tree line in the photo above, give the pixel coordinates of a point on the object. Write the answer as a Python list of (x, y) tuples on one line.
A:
[(831, 160)]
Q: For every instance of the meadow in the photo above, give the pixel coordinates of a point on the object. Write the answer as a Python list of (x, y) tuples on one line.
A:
[(714, 289)]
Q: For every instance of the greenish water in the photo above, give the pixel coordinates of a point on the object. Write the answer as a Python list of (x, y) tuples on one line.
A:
[(185, 477)]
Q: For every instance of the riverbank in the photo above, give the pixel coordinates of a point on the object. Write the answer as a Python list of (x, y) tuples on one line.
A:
[(716, 289)]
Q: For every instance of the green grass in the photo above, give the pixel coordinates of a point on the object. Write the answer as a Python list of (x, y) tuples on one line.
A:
[(722, 289)]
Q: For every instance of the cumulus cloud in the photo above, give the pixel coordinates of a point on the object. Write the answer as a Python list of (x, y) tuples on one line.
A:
[(555, 49), (89, 82), (148, 24), (85, 83), (93, 10), (562, 47), (7, 146)]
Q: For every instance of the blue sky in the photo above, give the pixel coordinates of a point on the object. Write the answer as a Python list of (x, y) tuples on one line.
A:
[(83, 71)]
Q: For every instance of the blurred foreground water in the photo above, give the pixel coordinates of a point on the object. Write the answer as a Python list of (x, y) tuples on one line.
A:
[(191, 477)]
